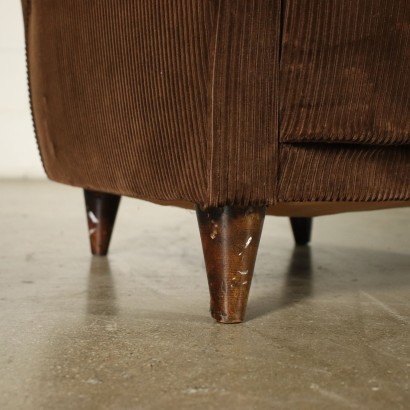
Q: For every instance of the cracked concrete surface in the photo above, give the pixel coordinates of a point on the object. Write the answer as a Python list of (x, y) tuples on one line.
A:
[(328, 326)]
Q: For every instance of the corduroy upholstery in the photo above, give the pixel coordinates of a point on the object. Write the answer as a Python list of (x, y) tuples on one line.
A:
[(345, 72), (215, 102)]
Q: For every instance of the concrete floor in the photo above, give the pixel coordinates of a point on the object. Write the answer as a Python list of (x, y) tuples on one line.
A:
[(327, 326)]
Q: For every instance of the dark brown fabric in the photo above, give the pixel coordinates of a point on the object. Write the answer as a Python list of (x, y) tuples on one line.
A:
[(319, 208), (179, 100), (345, 71), (327, 172), (26, 11), (243, 112), (120, 94)]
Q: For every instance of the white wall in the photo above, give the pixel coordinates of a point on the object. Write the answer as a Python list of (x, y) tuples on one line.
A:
[(19, 157)]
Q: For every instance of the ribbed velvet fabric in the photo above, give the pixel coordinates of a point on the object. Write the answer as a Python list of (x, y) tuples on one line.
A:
[(348, 173), (243, 104), (223, 101), (345, 71), (119, 92)]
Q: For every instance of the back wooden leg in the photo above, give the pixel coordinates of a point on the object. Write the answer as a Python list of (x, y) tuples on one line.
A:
[(101, 212), (302, 230), (230, 238)]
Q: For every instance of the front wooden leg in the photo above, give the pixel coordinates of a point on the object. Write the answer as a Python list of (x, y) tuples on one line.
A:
[(302, 230), (230, 238), (101, 212)]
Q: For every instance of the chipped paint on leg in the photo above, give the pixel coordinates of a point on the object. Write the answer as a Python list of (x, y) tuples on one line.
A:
[(214, 232), (93, 218)]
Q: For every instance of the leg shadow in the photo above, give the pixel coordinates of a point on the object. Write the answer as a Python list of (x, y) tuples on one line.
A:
[(299, 276), (298, 285), (101, 298)]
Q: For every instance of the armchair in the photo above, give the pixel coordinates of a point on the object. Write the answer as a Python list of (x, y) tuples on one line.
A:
[(294, 108)]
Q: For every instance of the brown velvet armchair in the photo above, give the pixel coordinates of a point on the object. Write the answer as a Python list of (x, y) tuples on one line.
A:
[(292, 107)]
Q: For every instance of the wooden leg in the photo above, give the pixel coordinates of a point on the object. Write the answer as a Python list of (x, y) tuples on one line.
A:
[(230, 239), (101, 212), (302, 230)]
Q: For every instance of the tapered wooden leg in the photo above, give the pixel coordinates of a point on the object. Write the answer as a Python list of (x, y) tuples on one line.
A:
[(101, 212), (302, 230), (230, 239)]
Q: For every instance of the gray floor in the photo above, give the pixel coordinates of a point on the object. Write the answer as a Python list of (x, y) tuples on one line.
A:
[(327, 326)]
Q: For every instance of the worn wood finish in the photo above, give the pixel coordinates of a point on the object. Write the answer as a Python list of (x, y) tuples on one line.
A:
[(230, 238), (101, 212), (302, 230)]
